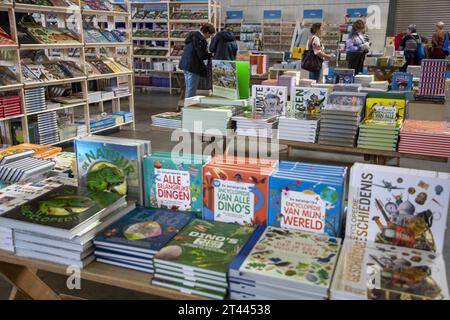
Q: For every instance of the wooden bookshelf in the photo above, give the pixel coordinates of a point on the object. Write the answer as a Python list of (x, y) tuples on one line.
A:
[(73, 18)]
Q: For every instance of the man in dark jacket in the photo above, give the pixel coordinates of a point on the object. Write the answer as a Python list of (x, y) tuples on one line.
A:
[(410, 45), (223, 46), (194, 55)]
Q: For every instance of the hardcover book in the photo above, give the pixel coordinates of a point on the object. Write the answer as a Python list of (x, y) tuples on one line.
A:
[(308, 100), (402, 81), (398, 206), (269, 100), (231, 79)]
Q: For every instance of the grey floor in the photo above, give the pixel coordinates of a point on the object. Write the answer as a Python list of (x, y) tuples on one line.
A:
[(157, 102)]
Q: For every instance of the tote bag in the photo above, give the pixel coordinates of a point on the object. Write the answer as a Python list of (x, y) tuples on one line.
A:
[(310, 61)]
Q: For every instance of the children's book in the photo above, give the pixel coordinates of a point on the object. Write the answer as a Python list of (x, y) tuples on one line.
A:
[(402, 81), (308, 100), (231, 79), (269, 100)]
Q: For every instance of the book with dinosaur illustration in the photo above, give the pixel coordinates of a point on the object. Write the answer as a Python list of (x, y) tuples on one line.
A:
[(174, 182), (398, 206), (269, 100), (373, 271), (231, 79), (308, 100), (307, 197), (112, 164), (235, 190)]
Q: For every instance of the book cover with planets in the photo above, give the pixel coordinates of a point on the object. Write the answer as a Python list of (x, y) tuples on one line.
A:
[(205, 246), (143, 228), (370, 271), (307, 202), (398, 206), (173, 182), (293, 259), (108, 166), (236, 192), (269, 100)]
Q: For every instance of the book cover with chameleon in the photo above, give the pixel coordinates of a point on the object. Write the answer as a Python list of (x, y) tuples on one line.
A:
[(173, 182)]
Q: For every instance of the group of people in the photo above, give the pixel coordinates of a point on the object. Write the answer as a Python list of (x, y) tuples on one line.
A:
[(197, 53)]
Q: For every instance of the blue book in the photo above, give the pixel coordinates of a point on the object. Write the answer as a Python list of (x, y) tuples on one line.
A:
[(144, 230), (402, 81)]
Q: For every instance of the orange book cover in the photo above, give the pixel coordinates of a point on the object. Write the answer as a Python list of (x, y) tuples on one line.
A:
[(40, 151), (426, 127), (236, 190)]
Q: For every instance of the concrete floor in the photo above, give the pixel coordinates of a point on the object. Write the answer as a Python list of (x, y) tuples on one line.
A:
[(157, 102)]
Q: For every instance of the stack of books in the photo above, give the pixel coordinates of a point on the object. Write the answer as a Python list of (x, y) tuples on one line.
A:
[(255, 125), (24, 169), (308, 100), (98, 122), (60, 225), (112, 164), (284, 264), (196, 260), (307, 197), (174, 182), (10, 106), (349, 87), (425, 137), (433, 77), (133, 241), (306, 83), (287, 80), (380, 85), (125, 115), (36, 150), (12, 154), (339, 125), (35, 100), (201, 118), (235, 189), (364, 79), (47, 126), (167, 120), (298, 127)]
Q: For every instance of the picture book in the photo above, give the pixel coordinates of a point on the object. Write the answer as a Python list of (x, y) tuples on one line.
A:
[(39, 151), (389, 111), (344, 76), (205, 246), (236, 193), (231, 79), (402, 81), (308, 100), (146, 230), (293, 259), (371, 271), (398, 206), (174, 182), (347, 99), (269, 100), (108, 166)]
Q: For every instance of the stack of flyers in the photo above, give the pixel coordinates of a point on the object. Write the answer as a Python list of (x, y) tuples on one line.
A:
[(433, 77), (133, 240), (339, 125), (255, 125), (25, 169), (307, 197), (48, 128), (269, 100), (196, 260), (167, 120), (35, 100), (10, 106), (174, 181), (308, 100), (298, 127), (284, 264), (236, 189)]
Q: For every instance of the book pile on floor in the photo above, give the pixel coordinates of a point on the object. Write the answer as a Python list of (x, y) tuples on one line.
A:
[(284, 264), (393, 245), (255, 125), (307, 197), (59, 226), (167, 120), (174, 182), (236, 189), (133, 241), (299, 127), (200, 118), (381, 125), (25, 168), (112, 164), (425, 137), (10, 106), (35, 100), (339, 125), (196, 260)]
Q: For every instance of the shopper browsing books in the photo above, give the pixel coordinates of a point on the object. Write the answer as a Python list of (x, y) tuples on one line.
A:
[(411, 45), (194, 55), (315, 44), (357, 47), (438, 41), (224, 46)]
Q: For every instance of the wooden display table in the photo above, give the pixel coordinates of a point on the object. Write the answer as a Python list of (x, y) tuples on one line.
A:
[(22, 274)]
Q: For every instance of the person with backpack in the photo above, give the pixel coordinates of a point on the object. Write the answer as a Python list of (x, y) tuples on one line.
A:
[(224, 46), (439, 42), (412, 48), (315, 53), (357, 47)]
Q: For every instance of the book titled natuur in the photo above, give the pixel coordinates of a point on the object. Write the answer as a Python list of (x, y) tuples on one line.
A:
[(231, 79)]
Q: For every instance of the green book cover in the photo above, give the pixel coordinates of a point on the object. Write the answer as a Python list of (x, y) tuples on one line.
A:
[(205, 245), (243, 74), (231, 79)]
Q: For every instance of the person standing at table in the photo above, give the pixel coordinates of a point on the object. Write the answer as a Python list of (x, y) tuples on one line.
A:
[(357, 47), (315, 44), (224, 46), (410, 46), (194, 55), (437, 42)]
